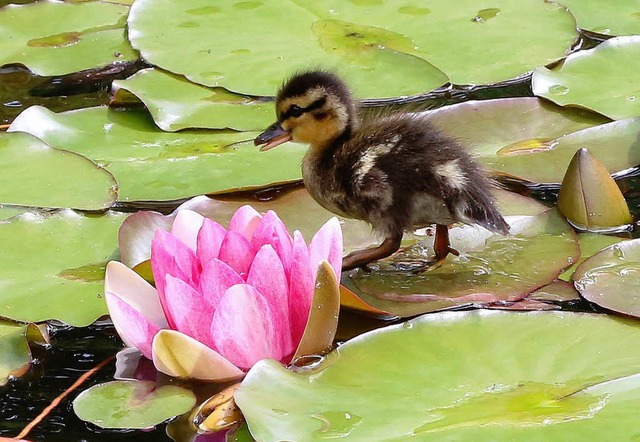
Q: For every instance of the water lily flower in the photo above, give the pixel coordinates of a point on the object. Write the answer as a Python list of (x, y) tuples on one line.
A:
[(224, 298)]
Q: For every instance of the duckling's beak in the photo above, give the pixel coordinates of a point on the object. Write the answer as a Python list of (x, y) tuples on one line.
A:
[(272, 137)]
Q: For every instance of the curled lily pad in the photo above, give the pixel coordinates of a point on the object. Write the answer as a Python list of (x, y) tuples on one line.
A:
[(478, 375), (610, 278), (600, 79), (175, 103), (557, 291), (490, 268), (589, 198), (150, 164), (54, 38), (620, 17), (32, 176), (15, 356), (380, 47), (61, 264), (132, 404), (590, 244)]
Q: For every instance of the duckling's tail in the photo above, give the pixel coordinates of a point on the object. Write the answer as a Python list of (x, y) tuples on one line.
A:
[(481, 209)]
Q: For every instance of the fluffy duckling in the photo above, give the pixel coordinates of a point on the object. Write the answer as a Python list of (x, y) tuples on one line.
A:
[(397, 172)]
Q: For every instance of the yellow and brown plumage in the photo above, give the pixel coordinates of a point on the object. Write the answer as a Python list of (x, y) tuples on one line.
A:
[(396, 172)]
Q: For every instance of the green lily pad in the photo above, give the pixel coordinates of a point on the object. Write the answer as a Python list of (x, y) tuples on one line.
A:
[(381, 48), (150, 164), (488, 126), (490, 268), (55, 38), (175, 103), (15, 355), (610, 278), (295, 207), (601, 79), (132, 404), (33, 176), (590, 244), (49, 263), (9, 212), (481, 376), (619, 17), (557, 291)]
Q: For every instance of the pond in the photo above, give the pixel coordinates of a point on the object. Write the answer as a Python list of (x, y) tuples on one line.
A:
[(493, 374)]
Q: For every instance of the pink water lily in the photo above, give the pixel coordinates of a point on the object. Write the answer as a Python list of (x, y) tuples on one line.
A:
[(224, 298)]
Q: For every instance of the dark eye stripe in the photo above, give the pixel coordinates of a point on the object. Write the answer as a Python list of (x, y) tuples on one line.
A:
[(295, 111)]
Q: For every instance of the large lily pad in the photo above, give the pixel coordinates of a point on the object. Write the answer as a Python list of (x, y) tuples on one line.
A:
[(35, 174), (55, 38), (382, 48), (132, 404), (490, 268), (515, 130), (610, 278), (619, 17), (175, 103), (481, 376), (150, 164), (49, 263), (601, 79)]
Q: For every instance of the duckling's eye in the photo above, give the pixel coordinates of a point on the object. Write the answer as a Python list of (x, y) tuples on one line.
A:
[(295, 111)]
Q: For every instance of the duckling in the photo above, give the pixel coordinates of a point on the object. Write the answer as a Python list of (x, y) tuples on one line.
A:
[(397, 171)]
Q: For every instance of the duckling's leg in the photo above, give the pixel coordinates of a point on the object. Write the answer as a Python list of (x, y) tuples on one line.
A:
[(361, 258), (441, 245)]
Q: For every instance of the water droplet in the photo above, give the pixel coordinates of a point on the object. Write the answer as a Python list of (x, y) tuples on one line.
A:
[(601, 30), (631, 98), (407, 325), (204, 10), (188, 24), (280, 412), (414, 10), (14, 103), (558, 89), (247, 5), (241, 51), (336, 424), (618, 252)]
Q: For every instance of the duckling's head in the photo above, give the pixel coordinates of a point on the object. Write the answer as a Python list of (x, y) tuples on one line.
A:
[(313, 107)]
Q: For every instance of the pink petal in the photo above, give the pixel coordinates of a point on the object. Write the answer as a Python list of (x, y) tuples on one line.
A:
[(243, 328), (268, 277), (191, 314), (245, 221), (134, 329), (130, 287), (301, 284), (215, 280), (209, 240), (326, 245), (237, 251), (186, 226), (170, 256), (272, 230)]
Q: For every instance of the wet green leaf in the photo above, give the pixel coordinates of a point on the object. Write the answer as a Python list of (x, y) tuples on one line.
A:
[(15, 356), (175, 103), (590, 244), (620, 17), (601, 79), (610, 278), (132, 404), (381, 48), (557, 291), (49, 263), (33, 176), (55, 38), (481, 376), (589, 198), (490, 268), (150, 164), (8, 212)]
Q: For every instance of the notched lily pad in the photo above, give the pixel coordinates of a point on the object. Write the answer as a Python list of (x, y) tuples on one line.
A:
[(610, 278), (55, 38), (175, 103), (553, 388), (59, 265), (132, 404), (490, 268), (601, 79), (150, 164)]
